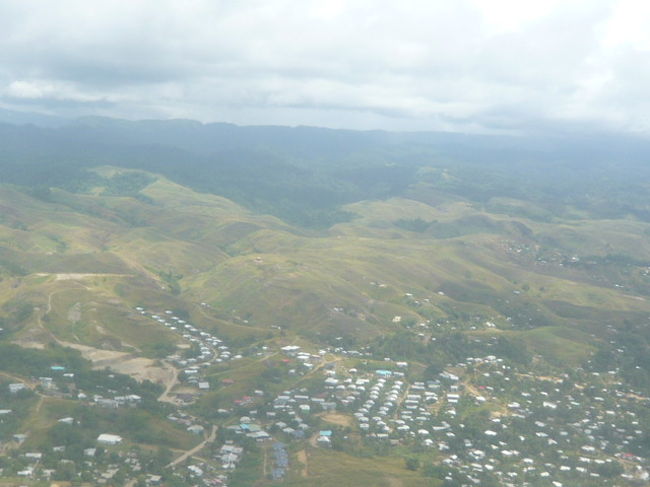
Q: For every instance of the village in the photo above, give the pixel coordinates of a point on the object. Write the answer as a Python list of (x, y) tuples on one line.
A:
[(478, 420), (555, 430)]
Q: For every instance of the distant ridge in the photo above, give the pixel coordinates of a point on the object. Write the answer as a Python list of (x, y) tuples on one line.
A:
[(30, 118)]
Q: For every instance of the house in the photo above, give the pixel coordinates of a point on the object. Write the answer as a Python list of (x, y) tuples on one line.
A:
[(324, 441), (324, 438), (109, 439), (28, 472), (197, 429), (259, 435), (107, 403), (290, 349), (453, 398), (230, 455), (154, 479), (17, 387), (47, 383)]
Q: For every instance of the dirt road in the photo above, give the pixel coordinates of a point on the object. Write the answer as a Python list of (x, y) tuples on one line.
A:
[(302, 458), (196, 449), (169, 384)]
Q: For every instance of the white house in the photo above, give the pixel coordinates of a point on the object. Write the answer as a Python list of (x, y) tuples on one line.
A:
[(109, 439)]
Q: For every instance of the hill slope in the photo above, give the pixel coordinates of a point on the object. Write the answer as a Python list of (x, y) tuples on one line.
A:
[(197, 298), (87, 258)]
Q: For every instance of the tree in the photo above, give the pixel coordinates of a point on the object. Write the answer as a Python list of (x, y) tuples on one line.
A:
[(412, 463)]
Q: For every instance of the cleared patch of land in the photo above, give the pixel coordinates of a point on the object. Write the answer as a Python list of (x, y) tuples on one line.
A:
[(337, 418), (301, 455), (140, 368), (71, 276)]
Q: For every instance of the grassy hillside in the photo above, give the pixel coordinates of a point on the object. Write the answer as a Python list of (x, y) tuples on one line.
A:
[(73, 266), (430, 277)]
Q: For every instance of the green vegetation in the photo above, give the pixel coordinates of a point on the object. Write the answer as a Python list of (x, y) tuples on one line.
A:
[(37, 363), (461, 265), (382, 248)]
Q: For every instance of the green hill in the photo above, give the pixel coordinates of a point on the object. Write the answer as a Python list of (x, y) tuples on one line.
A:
[(431, 276), (75, 264)]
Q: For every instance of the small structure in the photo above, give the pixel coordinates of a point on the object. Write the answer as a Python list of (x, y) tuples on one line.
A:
[(17, 387), (109, 439), (324, 438), (197, 429)]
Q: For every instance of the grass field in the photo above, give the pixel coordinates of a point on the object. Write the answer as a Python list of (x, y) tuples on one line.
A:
[(327, 468)]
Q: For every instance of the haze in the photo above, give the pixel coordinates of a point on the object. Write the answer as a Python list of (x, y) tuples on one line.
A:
[(470, 66)]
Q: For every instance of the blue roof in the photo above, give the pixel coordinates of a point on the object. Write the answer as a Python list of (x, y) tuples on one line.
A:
[(325, 433)]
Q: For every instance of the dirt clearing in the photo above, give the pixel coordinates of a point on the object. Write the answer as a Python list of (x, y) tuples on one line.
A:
[(337, 418), (68, 276), (140, 368), (302, 458)]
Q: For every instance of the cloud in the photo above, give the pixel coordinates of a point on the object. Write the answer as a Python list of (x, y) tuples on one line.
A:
[(477, 65), (49, 90)]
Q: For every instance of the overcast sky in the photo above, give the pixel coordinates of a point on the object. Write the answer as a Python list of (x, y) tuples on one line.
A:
[(461, 65)]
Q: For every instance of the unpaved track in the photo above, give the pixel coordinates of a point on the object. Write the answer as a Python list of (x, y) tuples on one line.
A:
[(197, 448), (302, 458), (75, 276), (170, 383)]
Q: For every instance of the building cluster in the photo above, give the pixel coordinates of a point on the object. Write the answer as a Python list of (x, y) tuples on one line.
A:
[(485, 418), (206, 349), (482, 418)]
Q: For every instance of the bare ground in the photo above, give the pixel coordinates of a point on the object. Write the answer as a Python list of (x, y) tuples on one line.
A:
[(68, 276), (337, 418), (140, 368), (302, 458)]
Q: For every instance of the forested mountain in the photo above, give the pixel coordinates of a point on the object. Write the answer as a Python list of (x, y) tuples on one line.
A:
[(304, 174)]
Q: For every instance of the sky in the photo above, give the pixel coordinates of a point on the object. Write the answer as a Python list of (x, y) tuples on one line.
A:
[(484, 66)]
